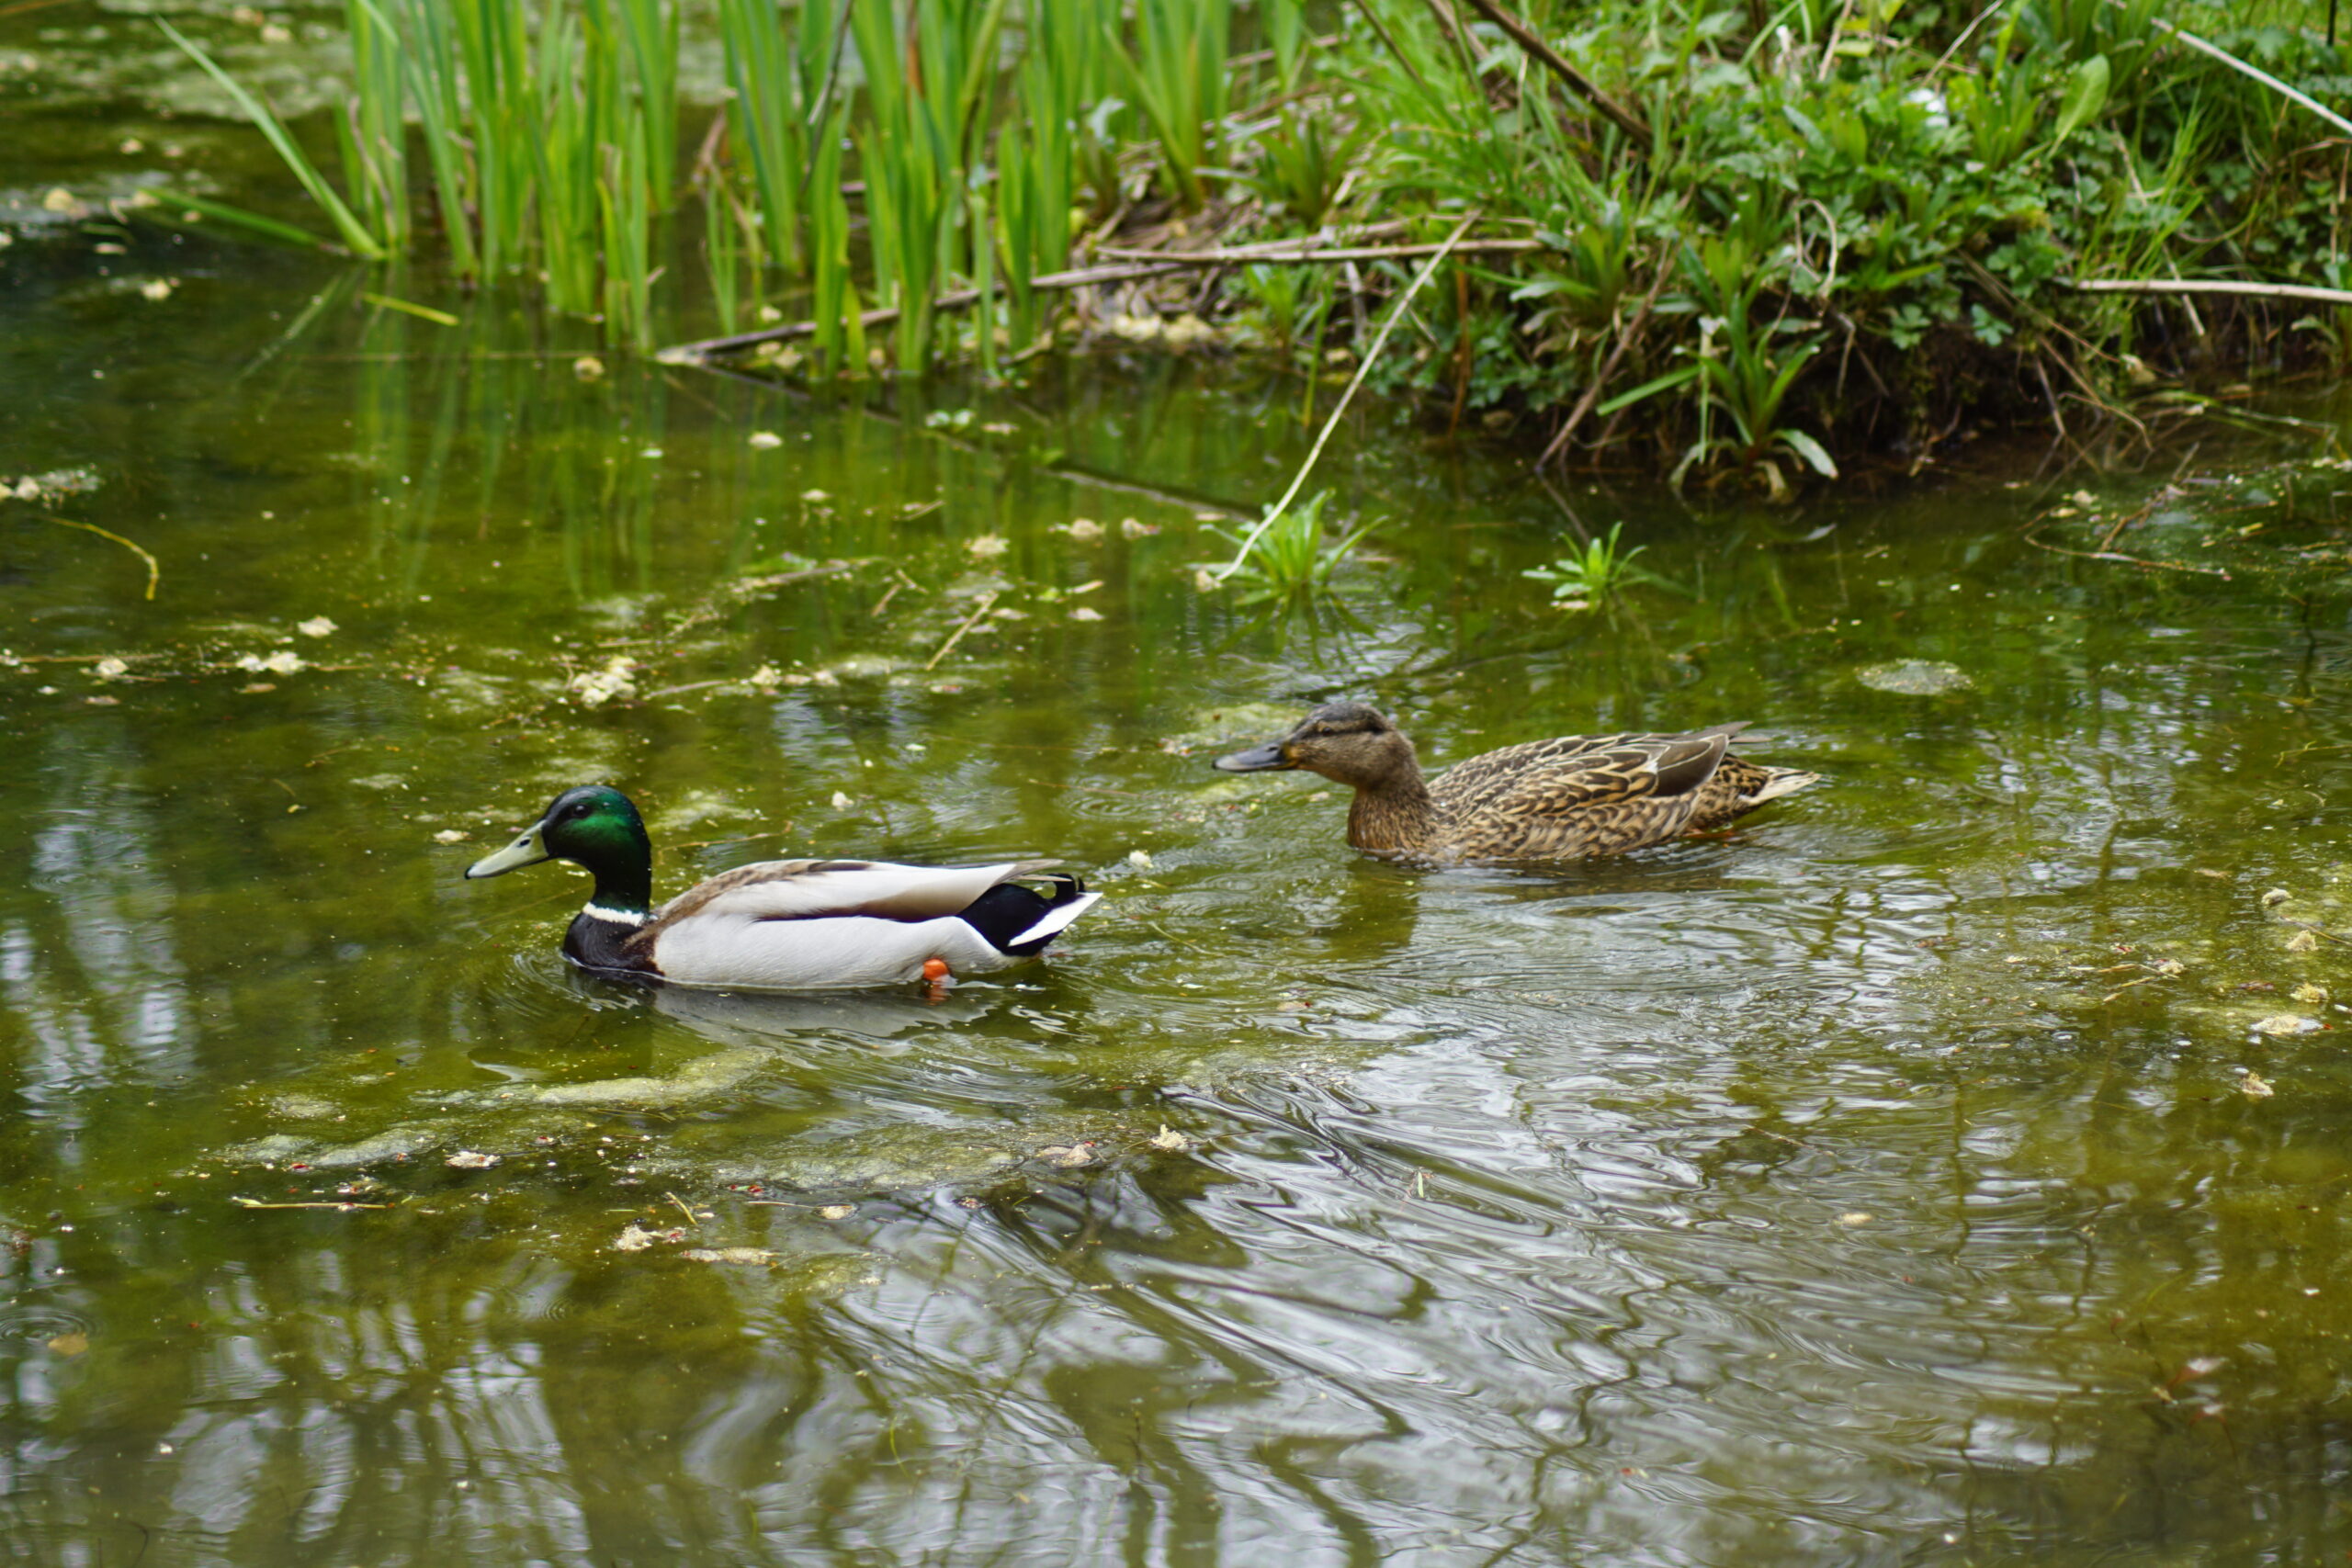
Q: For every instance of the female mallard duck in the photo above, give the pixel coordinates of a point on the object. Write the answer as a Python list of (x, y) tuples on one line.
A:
[(1579, 795), (786, 925)]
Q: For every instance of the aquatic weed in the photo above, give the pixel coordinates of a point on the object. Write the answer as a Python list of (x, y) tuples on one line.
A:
[(1595, 573), (1287, 555)]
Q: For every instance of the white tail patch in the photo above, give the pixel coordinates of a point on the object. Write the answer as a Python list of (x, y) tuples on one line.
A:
[(1057, 917), (1786, 783)]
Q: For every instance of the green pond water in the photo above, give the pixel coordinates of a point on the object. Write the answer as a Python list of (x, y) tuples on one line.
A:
[(1950, 1167)]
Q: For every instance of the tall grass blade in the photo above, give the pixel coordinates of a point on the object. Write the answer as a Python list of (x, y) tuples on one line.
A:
[(355, 237), (238, 215), (766, 117)]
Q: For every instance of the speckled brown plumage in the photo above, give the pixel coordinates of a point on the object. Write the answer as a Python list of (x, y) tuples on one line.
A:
[(1559, 799)]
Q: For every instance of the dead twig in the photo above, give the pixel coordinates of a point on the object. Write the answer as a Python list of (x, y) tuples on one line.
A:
[(2126, 561), (1404, 302), (957, 635), (1528, 38), (1294, 255), (2215, 286), (691, 352), (2108, 540), (1137, 266), (2267, 80), (1625, 341)]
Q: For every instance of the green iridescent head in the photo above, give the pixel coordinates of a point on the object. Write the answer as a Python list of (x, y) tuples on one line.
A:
[(596, 829)]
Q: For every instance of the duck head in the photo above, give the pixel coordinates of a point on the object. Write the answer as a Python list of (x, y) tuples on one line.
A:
[(1347, 742), (596, 829)]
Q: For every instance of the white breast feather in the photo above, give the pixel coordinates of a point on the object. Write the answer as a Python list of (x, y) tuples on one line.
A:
[(744, 952)]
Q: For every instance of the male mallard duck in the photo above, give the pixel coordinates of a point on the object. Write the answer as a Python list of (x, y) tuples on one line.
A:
[(786, 925), (1579, 795)]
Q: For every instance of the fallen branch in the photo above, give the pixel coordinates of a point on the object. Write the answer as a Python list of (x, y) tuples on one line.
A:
[(2316, 930), (1140, 264), (690, 353), (2215, 286), (1528, 38), (957, 635), (1240, 256), (2127, 560)]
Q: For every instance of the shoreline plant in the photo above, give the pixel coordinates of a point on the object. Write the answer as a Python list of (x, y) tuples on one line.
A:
[(1734, 242)]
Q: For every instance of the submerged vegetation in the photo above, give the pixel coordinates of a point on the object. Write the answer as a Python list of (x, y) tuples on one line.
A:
[(1285, 555), (1724, 242), (1597, 571)]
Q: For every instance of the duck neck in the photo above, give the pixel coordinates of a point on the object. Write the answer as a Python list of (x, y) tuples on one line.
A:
[(1394, 815), (616, 911), (623, 889)]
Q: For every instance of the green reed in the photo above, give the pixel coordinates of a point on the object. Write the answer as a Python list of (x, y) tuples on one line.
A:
[(722, 251), (1177, 72), (357, 237), (1911, 191), (776, 79)]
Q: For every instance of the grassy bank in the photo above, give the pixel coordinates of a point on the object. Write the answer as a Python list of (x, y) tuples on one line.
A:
[(1736, 242)]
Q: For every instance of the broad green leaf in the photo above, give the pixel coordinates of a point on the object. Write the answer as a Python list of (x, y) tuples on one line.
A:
[(2085, 96), (1806, 447), (1667, 382)]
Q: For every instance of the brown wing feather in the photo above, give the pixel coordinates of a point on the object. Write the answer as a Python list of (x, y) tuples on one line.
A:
[(1579, 795), (1475, 782), (1574, 773)]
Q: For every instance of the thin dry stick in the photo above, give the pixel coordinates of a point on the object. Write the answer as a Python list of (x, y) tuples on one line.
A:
[(2126, 561), (154, 572), (2267, 80), (2215, 286), (1965, 33), (1830, 47), (689, 352), (2316, 930), (957, 635), (1159, 264), (1528, 38), (1428, 269), (1389, 44), (1296, 256), (1609, 367), (2107, 540)]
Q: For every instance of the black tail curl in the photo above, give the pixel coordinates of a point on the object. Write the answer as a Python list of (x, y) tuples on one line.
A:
[(1006, 910)]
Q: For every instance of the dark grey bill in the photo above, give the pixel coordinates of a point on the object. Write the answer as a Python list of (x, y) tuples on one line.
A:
[(1256, 760)]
